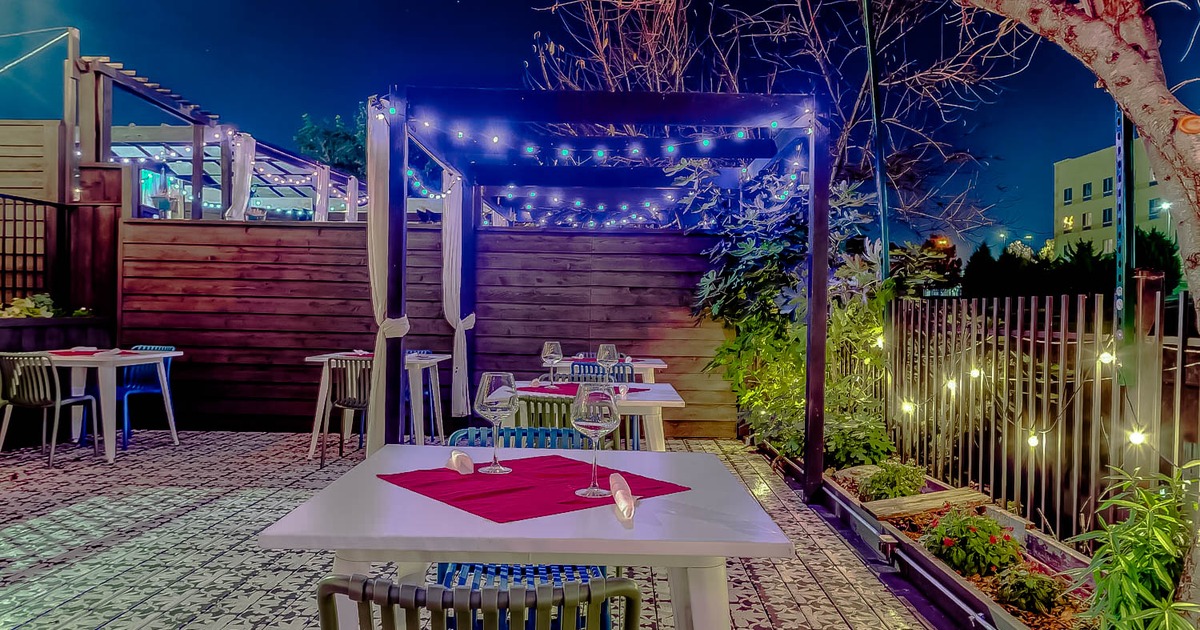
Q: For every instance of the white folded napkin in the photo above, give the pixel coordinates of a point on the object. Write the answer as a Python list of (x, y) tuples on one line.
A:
[(626, 503), (82, 348), (360, 352), (460, 462), (109, 353), (627, 359)]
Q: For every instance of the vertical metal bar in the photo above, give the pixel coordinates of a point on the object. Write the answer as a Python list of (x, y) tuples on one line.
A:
[(1064, 325), (1180, 374), (1019, 418), (954, 439), (1097, 420), (1044, 420), (1008, 414), (818, 308), (927, 363), (1031, 409), (992, 352), (1077, 403), (976, 390), (944, 366)]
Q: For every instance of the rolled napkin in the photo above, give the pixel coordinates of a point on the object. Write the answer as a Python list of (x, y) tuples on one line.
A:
[(360, 352), (626, 503), (460, 462), (110, 352), (627, 359)]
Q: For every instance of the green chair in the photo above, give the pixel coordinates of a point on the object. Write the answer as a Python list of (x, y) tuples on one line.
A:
[(30, 380), (555, 412), (488, 608)]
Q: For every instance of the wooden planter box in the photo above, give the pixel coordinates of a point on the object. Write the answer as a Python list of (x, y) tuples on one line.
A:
[(957, 598)]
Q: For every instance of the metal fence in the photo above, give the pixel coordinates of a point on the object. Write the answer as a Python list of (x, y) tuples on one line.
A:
[(27, 243), (1032, 400)]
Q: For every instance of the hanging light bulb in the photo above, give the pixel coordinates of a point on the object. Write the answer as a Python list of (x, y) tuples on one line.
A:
[(1033, 440), (1107, 357), (952, 385), (975, 373), (1137, 437), (907, 407)]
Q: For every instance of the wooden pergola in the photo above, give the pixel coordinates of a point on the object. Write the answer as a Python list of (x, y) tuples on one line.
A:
[(529, 154)]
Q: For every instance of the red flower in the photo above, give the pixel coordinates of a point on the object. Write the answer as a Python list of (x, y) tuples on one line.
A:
[(934, 523), (973, 530), (1007, 537), (992, 539), (948, 541), (993, 568)]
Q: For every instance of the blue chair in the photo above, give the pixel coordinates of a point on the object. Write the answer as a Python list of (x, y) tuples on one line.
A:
[(141, 380), (477, 575), (595, 373)]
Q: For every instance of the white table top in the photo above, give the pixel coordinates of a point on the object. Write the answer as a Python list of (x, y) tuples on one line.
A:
[(410, 360), (656, 395), (360, 512), (638, 363), (94, 360)]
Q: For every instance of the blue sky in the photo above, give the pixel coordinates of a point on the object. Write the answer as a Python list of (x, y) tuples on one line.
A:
[(263, 63)]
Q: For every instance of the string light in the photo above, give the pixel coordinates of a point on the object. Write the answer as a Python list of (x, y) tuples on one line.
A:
[(879, 341), (907, 407), (975, 373), (1137, 437), (1107, 358), (1033, 440), (952, 385)]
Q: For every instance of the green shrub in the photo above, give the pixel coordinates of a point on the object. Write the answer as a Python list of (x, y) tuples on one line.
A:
[(855, 439), (893, 479), (1139, 562), (1029, 590), (971, 544)]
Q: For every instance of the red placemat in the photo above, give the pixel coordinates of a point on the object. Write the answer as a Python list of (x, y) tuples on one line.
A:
[(88, 353), (536, 487), (569, 389)]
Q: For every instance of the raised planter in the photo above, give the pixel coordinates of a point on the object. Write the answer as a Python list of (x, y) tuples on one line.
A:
[(956, 597)]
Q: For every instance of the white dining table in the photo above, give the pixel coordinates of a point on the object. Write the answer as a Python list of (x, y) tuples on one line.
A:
[(644, 367), (106, 363), (363, 519), (648, 404), (416, 365)]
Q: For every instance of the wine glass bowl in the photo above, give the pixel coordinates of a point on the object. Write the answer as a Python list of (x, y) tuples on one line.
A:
[(552, 354), (594, 414), (607, 356), (496, 400)]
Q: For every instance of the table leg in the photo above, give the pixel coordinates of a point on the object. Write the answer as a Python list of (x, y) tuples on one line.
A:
[(655, 437), (700, 597), (322, 396), (78, 388), (108, 409), (648, 376), (416, 404), (435, 393), (166, 394)]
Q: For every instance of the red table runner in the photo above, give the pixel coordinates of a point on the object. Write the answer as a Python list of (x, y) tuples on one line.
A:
[(536, 487), (89, 353), (569, 389)]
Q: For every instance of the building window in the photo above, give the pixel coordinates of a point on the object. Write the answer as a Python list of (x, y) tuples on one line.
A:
[(1087, 221), (1067, 196), (1106, 217), (1108, 186), (1109, 246), (1068, 224), (1153, 179), (1156, 208), (1087, 191)]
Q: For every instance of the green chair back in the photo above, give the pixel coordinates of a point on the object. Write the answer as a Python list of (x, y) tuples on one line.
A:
[(485, 608), (555, 412), (29, 379), (350, 382)]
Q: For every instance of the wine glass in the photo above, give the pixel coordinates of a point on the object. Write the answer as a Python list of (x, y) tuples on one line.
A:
[(496, 400), (552, 353), (607, 357), (594, 414)]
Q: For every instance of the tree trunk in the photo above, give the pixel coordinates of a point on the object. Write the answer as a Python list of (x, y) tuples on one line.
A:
[(1117, 41)]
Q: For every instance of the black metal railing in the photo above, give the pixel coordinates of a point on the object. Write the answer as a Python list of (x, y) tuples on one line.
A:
[(29, 243)]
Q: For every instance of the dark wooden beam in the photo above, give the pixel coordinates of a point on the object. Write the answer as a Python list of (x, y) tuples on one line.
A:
[(818, 312), (545, 149), (161, 97), (397, 244), (226, 172), (198, 169), (693, 109)]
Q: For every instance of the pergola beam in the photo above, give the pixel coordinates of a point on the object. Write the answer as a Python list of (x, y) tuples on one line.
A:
[(571, 176)]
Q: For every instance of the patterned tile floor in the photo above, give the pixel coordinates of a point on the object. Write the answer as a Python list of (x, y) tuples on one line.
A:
[(166, 539)]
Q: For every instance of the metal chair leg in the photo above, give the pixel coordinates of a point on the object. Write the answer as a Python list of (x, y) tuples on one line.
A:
[(342, 434), (95, 429), (324, 431), (54, 434), (45, 410), (125, 429), (4, 427)]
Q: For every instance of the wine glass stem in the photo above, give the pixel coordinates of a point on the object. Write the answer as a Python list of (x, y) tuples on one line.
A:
[(595, 455), (496, 445)]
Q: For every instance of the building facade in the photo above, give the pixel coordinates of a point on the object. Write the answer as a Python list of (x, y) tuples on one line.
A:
[(1085, 201)]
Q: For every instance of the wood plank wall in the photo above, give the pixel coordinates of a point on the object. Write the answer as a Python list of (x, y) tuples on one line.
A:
[(632, 289), (247, 303), (30, 152)]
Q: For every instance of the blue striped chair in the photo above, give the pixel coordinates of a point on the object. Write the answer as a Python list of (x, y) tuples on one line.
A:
[(595, 373), (477, 576), (141, 380)]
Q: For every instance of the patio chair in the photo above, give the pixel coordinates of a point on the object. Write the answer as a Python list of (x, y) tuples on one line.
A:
[(490, 607), (31, 381), (520, 437), (555, 412), (595, 373), (349, 388), (140, 380)]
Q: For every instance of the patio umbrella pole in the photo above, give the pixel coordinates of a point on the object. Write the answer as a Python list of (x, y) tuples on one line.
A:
[(818, 308)]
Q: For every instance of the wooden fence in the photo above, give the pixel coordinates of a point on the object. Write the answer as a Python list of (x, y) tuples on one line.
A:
[(248, 302), (30, 158)]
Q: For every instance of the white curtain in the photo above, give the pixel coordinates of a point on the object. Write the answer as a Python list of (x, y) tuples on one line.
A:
[(321, 203), (351, 200), (244, 150), (378, 157), (452, 254)]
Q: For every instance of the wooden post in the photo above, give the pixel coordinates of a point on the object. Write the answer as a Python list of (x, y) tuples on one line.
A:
[(69, 161), (198, 171), (226, 172), (397, 245), (818, 308), (472, 205)]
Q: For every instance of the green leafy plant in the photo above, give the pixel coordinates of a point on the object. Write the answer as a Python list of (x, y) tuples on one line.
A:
[(971, 544), (1029, 589), (894, 479), (855, 439), (39, 305), (1138, 562)]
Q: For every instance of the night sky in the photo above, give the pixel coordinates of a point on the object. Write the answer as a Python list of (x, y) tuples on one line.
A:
[(260, 64)]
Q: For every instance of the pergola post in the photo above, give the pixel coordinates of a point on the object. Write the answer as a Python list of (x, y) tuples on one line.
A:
[(227, 172), (197, 171), (818, 308), (397, 244)]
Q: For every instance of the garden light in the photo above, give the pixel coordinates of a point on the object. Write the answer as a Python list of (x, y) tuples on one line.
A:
[(975, 373), (952, 385), (1107, 357), (1033, 439), (1137, 438), (879, 342), (907, 407)]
